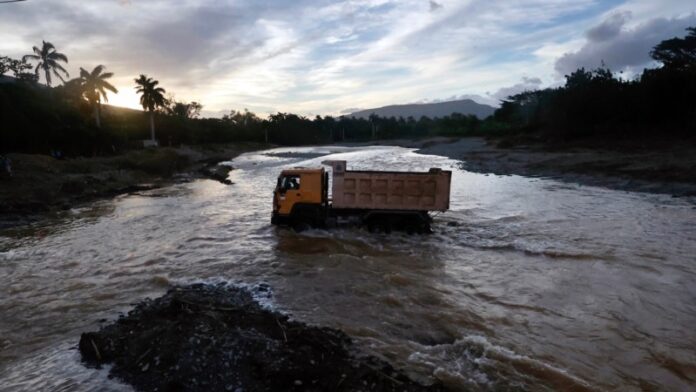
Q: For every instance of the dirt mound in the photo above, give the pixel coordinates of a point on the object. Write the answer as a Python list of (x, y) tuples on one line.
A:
[(218, 338)]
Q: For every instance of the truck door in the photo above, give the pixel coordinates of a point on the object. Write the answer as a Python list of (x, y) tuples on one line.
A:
[(289, 192)]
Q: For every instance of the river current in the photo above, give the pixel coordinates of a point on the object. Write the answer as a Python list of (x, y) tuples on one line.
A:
[(526, 283)]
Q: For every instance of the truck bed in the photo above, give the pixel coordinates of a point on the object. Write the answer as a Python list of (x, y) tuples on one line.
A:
[(412, 191)]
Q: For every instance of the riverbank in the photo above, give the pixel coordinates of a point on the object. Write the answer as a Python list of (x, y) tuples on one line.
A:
[(219, 338), (41, 184), (666, 170)]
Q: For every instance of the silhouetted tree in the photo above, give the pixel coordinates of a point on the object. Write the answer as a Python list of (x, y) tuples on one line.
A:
[(18, 68), (151, 98), (374, 120), (242, 119), (677, 52), (185, 110), (5, 64), (48, 59), (94, 86), (578, 78)]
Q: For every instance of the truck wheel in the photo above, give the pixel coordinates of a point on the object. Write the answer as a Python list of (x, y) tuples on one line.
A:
[(386, 227), (416, 228), (301, 225)]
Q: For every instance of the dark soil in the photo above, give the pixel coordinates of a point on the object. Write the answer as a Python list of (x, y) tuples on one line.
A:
[(667, 169), (217, 172), (218, 338)]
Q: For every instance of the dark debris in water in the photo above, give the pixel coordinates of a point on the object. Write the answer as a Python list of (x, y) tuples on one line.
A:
[(218, 338), (217, 172)]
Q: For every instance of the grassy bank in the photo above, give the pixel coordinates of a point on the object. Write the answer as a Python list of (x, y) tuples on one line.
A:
[(41, 183)]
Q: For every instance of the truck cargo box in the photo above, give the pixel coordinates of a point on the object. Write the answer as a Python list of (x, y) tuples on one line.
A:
[(380, 190)]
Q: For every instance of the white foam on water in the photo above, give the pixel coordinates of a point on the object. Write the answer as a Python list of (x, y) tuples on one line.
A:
[(474, 362), (261, 292), (58, 368)]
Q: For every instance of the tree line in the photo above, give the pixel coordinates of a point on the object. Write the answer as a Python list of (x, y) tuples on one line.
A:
[(600, 106), (39, 118), (593, 105), (70, 117)]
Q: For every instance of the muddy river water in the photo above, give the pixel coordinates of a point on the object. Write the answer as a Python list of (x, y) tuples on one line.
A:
[(526, 282)]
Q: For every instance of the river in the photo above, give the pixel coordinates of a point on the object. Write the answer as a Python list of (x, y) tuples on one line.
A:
[(526, 282)]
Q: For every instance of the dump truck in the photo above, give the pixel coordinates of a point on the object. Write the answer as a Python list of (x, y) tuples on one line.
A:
[(377, 200)]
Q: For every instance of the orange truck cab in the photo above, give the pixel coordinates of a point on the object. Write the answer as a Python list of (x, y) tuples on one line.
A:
[(300, 192)]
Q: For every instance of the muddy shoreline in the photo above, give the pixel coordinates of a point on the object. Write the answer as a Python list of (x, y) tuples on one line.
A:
[(662, 171), (219, 338), (41, 185)]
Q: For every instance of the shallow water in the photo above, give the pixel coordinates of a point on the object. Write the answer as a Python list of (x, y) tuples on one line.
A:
[(525, 283)]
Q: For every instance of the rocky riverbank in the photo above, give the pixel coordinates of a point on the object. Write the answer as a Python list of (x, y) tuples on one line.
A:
[(668, 170), (218, 338), (40, 183)]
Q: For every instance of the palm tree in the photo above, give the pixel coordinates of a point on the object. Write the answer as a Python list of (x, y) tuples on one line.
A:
[(151, 98), (94, 86), (48, 59)]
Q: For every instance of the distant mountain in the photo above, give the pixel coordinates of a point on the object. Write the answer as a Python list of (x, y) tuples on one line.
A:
[(432, 110)]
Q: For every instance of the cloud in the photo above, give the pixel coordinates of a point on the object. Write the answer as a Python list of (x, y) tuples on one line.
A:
[(620, 48), (434, 6), (527, 84), (320, 56), (350, 110), (494, 99), (609, 28), (483, 99)]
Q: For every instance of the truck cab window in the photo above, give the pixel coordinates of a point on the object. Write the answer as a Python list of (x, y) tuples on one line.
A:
[(289, 183)]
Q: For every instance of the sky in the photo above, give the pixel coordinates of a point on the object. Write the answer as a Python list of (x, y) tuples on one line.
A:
[(332, 57)]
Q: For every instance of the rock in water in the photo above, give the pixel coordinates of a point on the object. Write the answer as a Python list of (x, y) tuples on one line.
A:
[(218, 338), (218, 173)]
